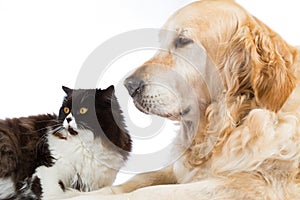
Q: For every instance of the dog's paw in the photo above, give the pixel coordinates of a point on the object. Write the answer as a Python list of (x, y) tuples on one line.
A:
[(104, 191), (68, 193)]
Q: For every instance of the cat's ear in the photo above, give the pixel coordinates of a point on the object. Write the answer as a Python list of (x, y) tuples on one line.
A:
[(109, 92), (67, 90)]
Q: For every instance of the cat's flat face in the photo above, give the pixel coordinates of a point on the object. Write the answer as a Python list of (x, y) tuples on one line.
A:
[(89, 114), (80, 109)]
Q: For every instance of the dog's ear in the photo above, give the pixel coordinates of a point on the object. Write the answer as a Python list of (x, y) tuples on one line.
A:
[(259, 61), (272, 74)]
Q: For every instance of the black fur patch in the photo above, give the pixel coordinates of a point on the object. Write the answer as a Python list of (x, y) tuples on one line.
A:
[(36, 187), (24, 147), (44, 156), (31, 190), (62, 186)]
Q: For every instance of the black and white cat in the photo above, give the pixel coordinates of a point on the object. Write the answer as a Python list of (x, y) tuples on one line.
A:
[(83, 148)]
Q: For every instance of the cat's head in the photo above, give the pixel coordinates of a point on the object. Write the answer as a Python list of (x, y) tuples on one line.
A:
[(94, 113), (80, 106)]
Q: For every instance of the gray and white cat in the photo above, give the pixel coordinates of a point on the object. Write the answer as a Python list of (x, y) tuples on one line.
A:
[(83, 148)]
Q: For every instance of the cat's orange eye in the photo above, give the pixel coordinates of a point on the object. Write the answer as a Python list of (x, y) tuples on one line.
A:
[(66, 110), (83, 110)]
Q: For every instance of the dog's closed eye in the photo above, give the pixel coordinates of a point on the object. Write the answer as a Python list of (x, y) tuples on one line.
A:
[(182, 41)]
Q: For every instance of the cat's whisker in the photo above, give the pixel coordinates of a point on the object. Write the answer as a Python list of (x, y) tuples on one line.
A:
[(47, 127), (48, 120), (51, 129), (39, 130), (41, 142), (56, 129)]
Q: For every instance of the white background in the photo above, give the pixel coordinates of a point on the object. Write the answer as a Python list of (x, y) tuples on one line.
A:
[(44, 43)]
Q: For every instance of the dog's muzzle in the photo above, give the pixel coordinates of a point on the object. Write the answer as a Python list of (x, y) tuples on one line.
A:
[(134, 85)]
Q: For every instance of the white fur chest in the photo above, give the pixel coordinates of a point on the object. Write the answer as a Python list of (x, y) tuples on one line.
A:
[(80, 161)]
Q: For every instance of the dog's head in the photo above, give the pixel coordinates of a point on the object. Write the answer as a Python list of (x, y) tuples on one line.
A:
[(213, 46), (171, 84)]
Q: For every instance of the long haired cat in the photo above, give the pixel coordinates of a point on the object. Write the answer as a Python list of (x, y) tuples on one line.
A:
[(82, 148)]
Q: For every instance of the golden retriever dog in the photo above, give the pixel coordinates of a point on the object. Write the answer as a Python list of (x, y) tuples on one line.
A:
[(246, 102)]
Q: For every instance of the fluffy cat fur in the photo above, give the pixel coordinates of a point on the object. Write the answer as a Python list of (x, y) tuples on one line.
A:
[(42, 157)]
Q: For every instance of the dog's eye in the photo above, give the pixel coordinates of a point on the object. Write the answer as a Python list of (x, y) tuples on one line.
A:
[(182, 41)]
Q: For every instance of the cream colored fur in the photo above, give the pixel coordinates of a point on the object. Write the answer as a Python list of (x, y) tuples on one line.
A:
[(247, 144)]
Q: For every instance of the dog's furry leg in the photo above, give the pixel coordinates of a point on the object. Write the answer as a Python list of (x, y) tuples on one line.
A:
[(204, 190), (161, 177)]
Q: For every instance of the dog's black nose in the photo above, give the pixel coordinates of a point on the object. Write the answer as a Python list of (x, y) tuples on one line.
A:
[(133, 85)]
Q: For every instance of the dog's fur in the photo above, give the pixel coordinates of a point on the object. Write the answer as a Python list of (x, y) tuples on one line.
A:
[(247, 144)]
